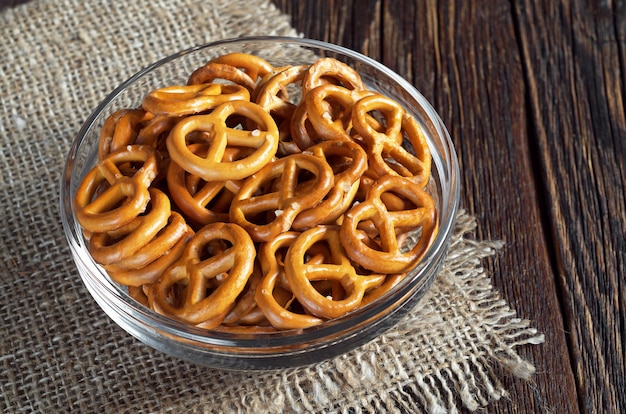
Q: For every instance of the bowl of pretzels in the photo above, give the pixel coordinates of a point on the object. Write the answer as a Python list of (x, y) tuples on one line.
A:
[(260, 203)]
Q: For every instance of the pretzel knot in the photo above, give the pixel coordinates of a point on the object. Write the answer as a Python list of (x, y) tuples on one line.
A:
[(113, 246), (386, 255), (149, 262), (294, 183), (254, 66), (272, 298), (338, 269), (386, 153), (329, 110), (349, 162), (204, 283), (263, 140), (121, 129), (202, 202), (331, 71), (271, 94), (115, 191), (192, 99)]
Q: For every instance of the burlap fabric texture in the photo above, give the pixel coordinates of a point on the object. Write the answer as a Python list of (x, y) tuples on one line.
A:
[(59, 353)]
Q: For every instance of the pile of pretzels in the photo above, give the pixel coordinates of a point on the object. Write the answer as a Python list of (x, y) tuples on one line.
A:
[(258, 198)]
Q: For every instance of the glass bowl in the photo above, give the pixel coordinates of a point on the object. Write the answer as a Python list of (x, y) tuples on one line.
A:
[(254, 351)]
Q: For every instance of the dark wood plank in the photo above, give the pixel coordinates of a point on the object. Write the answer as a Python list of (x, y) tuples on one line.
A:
[(466, 59), (11, 3), (478, 88), (351, 23), (576, 87)]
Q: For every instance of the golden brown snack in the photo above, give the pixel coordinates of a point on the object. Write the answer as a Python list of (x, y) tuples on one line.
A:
[(272, 298), (116, 190), (301, 166), (192, 99), (262, 138), (387, 155), (266, 214), (301, 274), (185, 290), (388, 256)]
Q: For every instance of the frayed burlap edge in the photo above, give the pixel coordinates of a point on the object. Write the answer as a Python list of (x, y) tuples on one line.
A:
[(450, 353)]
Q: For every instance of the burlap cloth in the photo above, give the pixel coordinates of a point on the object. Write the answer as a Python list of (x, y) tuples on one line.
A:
[(59, 353)]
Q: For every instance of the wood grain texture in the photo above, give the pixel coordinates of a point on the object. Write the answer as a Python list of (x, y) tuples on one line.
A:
[(576, 86), (533, 95)]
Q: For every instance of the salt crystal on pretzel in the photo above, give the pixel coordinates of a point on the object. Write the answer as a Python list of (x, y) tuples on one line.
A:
[(211, 167), (387, 257)]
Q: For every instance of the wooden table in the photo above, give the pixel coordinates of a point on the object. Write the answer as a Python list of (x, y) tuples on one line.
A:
[(533, 93)]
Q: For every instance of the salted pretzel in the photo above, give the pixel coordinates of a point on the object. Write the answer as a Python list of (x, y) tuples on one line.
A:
[(387, 155), (184, 291), (329, 109), (391, 200), (271, 95), (245, 311), (239, 68), (302, 132), (120, 129), (126, 192), (301, 274), (329, 70), (263, 140), (156, 131), (110, 247), (125, 273), (350, 162), (389, 257), (167, 237), (192, 99), (254, 66), (270, 297), (280, 206), (296, 189), (202, 202)]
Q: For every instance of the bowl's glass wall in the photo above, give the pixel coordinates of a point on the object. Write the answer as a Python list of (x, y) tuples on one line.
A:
[(290, 348)]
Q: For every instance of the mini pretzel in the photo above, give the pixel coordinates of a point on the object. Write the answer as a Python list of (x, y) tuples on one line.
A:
[(175, 228), (302, 132), (269, 93), (263, 140), (121, 129), (389, 258), (126, 196), (391, 200), (111, 247), (245, 306), (156, 131), (285, 201), (387, 155), (346, 183), (214, 71), (151, 272), (271, 97), (254, 66), (301, 274), (273, 270), (202, 202), (329, 109), (184, 290), (333, 71), (192, 99)]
